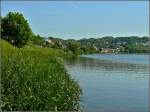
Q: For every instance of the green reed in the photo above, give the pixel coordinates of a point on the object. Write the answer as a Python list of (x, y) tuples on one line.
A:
[(33, 79)]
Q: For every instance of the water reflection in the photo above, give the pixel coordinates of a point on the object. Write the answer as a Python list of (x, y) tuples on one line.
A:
[(103, 65), (105, 82)]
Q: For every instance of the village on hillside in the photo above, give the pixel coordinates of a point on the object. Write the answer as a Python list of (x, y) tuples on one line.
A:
[(103, 46)]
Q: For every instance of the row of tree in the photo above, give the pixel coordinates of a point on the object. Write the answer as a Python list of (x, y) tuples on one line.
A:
[(131, 44), (16, 30)]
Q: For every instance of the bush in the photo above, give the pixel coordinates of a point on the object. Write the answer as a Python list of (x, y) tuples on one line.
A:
[(33, 80), (73, 47)]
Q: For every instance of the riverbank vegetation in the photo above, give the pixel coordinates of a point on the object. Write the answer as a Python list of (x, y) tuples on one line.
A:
[(33, 77)]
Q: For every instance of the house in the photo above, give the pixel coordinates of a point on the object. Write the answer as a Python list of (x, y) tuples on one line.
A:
[(110, 50), (107, 50), (50, 41), (95, 47)]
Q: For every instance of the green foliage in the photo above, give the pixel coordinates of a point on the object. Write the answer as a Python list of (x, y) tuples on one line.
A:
[(15, 29), (132, 43), (85, 50), (136, 49), (57, 43), (95, 45), (73, 46), (37, 39), (122, 49), (34, 80)]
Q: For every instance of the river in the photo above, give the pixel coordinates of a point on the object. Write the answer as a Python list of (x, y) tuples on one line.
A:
[(112, 83)]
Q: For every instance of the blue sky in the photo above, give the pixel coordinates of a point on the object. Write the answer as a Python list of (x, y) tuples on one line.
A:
[(83, 19)]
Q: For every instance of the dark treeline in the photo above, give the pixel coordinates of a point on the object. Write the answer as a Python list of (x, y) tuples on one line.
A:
[(132, 44)]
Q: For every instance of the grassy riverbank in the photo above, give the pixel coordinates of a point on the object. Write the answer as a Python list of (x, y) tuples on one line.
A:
[(34, 79)]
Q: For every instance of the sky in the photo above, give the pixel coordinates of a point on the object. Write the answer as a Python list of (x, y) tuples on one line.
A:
[(83, 19)]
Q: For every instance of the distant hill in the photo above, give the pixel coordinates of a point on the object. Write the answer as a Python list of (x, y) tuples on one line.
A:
[(109, 43)]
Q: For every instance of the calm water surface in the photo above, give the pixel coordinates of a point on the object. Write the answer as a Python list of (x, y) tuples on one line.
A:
[(112, 83)]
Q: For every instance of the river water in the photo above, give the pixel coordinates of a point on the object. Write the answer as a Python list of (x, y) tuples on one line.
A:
[(112, 83)]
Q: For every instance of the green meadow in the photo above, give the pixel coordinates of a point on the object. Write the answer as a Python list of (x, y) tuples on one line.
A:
[(34, 78)]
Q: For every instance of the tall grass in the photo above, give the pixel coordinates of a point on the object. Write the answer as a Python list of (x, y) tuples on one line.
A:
[(33, 79)]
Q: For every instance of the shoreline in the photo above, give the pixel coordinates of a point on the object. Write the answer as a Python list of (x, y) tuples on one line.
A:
[(118, 53)]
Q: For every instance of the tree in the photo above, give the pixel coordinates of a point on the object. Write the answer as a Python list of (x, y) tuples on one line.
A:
[(37, 39), (16, 29), (74, 47)]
